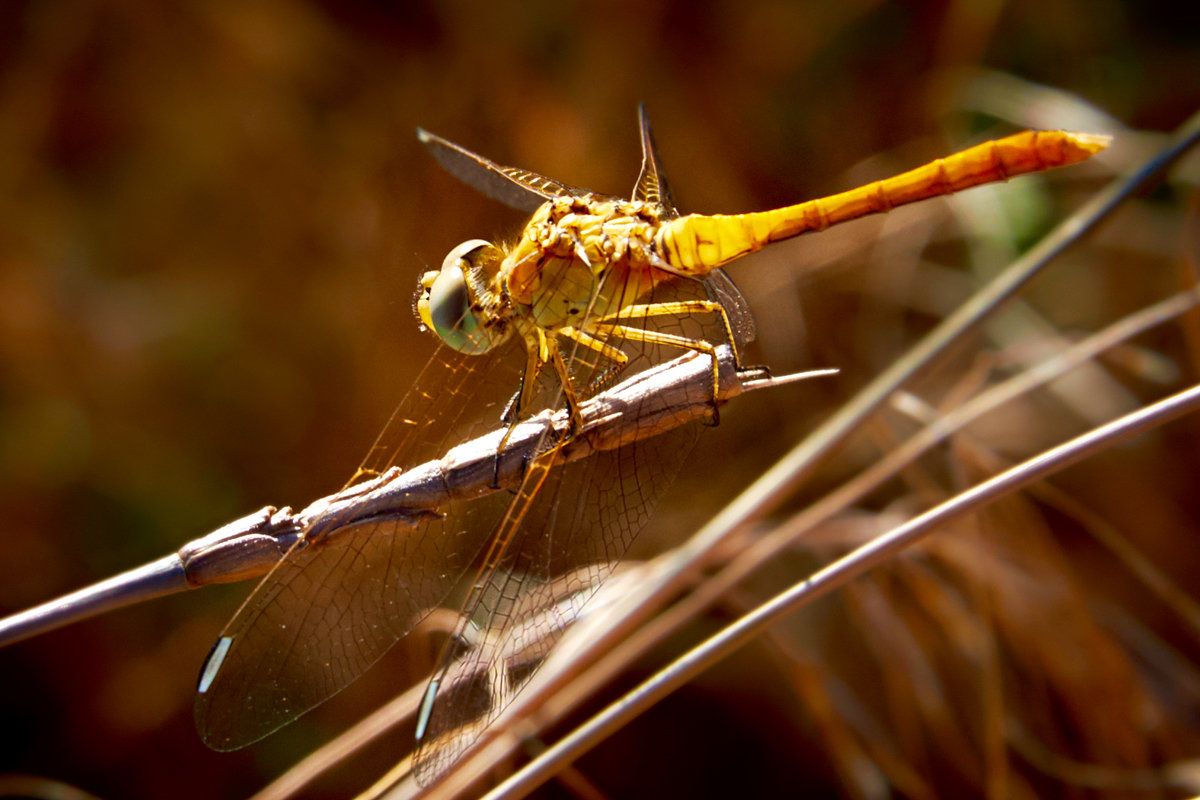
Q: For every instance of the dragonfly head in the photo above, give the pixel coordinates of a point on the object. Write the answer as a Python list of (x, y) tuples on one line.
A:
[(449, 300)]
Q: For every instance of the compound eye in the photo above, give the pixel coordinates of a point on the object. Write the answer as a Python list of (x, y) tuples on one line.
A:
[(471, 252), (448, 302)]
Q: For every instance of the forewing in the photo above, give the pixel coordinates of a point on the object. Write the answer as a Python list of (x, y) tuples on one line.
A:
[(651, 184), (515, 187), (652, 187), (325, 614), (332, 607)]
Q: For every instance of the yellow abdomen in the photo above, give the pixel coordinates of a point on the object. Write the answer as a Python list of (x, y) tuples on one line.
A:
[(697, 244)]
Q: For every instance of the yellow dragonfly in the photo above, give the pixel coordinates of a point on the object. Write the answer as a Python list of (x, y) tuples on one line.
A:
[(595, 288)]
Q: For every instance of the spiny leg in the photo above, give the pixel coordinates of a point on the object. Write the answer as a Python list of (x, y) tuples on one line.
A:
[(672, 340), (536, 358), (564, 378), (544, 350), (509, 414), (673, 308)]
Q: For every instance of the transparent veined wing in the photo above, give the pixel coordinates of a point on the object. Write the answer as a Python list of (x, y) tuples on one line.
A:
[(570, 525), (652, 187), (335, 605), (515, 187), (332, 607)]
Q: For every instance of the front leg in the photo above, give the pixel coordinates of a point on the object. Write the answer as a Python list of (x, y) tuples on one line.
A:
[(568, 389)]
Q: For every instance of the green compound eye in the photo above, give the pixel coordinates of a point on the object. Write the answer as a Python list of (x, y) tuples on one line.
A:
[(448, 304)]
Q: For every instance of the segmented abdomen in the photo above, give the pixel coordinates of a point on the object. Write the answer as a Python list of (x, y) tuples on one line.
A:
[(698, 243)]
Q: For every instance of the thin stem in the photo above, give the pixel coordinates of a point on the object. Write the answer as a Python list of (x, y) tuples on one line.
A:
[(704, 655)]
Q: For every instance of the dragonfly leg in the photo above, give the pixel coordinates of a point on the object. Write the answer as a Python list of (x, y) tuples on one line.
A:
[(568, 388), (536, 358), (677, 308), (541, 350), (537, 352), (510, 413), (672, 340), (509, 417)]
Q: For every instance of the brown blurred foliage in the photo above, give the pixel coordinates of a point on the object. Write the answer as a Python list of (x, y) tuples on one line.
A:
[(213, 215)]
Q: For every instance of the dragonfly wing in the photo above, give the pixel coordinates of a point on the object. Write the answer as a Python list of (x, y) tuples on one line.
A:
[(472, 681), (329, 610), (322, 617), (651, 184), (569, 527), (515, 187), (652, 187), (721, 288), (572, 537)]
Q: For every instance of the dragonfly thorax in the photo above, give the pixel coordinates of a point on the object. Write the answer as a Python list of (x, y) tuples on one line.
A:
[(579, 257), (576, 258)]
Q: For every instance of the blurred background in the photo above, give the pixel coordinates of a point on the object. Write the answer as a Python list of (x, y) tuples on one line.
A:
[(212, 220)]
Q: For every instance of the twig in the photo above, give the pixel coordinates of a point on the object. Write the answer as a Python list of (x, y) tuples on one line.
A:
[(695, 661), (644, 405)]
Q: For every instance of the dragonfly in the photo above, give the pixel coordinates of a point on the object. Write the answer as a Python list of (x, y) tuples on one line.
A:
[(595, 288)]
